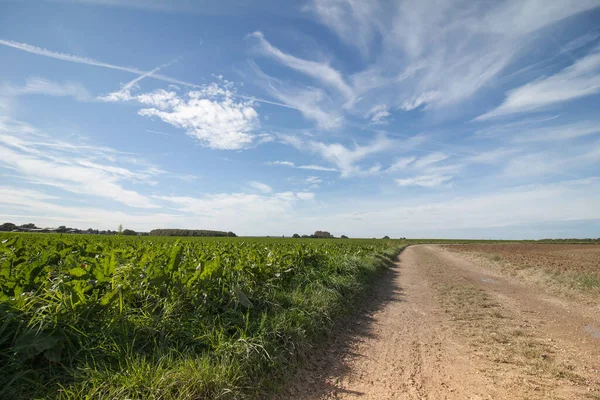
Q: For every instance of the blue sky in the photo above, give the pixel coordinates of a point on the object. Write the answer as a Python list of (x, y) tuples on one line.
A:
[(401, 118)]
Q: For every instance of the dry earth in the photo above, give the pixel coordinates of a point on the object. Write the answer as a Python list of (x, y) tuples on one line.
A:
[(441, 326)]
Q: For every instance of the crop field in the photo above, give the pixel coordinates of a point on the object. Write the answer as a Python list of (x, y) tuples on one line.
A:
[(574, 265), (84, 316)]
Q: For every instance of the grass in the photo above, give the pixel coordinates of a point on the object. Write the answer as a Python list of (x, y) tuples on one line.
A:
[(235, 331), (587, 281)]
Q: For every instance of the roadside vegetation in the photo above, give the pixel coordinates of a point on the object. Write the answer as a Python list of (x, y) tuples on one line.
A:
[(85, 316)]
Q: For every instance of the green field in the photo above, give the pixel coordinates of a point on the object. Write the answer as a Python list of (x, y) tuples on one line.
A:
[(84, 316)]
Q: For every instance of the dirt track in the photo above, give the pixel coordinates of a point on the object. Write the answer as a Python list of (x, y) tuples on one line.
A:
[(442, 327)]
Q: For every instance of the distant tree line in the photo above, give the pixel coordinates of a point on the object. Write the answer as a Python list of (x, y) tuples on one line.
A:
[(10, 227), (571, 240), (190, 232), (326, 235), (318, 235)]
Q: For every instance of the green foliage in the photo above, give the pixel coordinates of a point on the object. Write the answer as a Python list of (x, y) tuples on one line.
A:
[(7, 227), (85, 316), (190, 232)]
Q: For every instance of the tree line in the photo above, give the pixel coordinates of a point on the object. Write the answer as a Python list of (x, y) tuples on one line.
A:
[(190, 232)]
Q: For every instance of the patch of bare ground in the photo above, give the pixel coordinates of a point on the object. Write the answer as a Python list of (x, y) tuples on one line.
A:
[(440, 326), (571, 270)]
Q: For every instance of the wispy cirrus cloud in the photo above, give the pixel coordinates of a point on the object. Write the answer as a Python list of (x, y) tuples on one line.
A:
[(260, 186), (536, 130), (83, 169), (320, 71), (427, 171), (235, 206), (580, 79), (553, 162), (36, 85), (313, 103), (415, 65), (308, 166), (347, 160), (424, 180)]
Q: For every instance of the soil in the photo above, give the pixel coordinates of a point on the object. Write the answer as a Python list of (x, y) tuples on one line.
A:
[(442, 326)]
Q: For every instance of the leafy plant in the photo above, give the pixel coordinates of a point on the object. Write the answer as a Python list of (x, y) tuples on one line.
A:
[(137, 317)]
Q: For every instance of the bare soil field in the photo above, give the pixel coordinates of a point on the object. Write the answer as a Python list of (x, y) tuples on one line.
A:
[(445, 324), (571, 269)]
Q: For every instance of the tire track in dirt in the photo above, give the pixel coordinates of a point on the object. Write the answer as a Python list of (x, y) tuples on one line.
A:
[(441, 327)]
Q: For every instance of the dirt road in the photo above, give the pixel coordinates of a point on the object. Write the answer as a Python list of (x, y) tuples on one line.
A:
[(442, 327)]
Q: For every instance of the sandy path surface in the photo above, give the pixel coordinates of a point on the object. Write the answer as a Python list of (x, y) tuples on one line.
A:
[(440, 326)]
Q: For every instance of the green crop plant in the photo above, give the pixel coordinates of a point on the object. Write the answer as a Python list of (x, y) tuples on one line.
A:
[(153, 317)]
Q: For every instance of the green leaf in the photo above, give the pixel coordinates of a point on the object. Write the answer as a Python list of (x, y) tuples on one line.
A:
[(54, 354), (242, 298), (33, 343), (77, 271)]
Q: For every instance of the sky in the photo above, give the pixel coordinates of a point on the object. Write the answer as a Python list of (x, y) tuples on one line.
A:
[(424, 118)]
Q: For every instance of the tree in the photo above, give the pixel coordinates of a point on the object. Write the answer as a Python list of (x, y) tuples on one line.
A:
[(120, 228), (322, 235), (344, 237), (62, 229), (386, 237), (296, 236), (129, 232), (7, 227), (28, 226)]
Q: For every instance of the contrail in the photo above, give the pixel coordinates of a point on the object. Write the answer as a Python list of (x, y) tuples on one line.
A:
[(146, 75), (88, 61), (142, 74)]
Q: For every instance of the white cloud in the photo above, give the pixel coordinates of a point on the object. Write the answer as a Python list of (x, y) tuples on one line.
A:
[(401, 164), (317, 70), (41, 160), (578, 80), (558, 132), (553, 162), (492, 156), (276, 214), (286, 163), (346, 159), (209, 114), (532, 130), (453, 216), (423, 98), (313, 103), (424, 171), (510, 128), (349, 161), (309, 166), (47, 87), (261, 187), (313, 180), (417, 65), (310, 182), (430, 159), (232, 206), (424, 180), (378, 114), (354, 21), (317, 168)]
